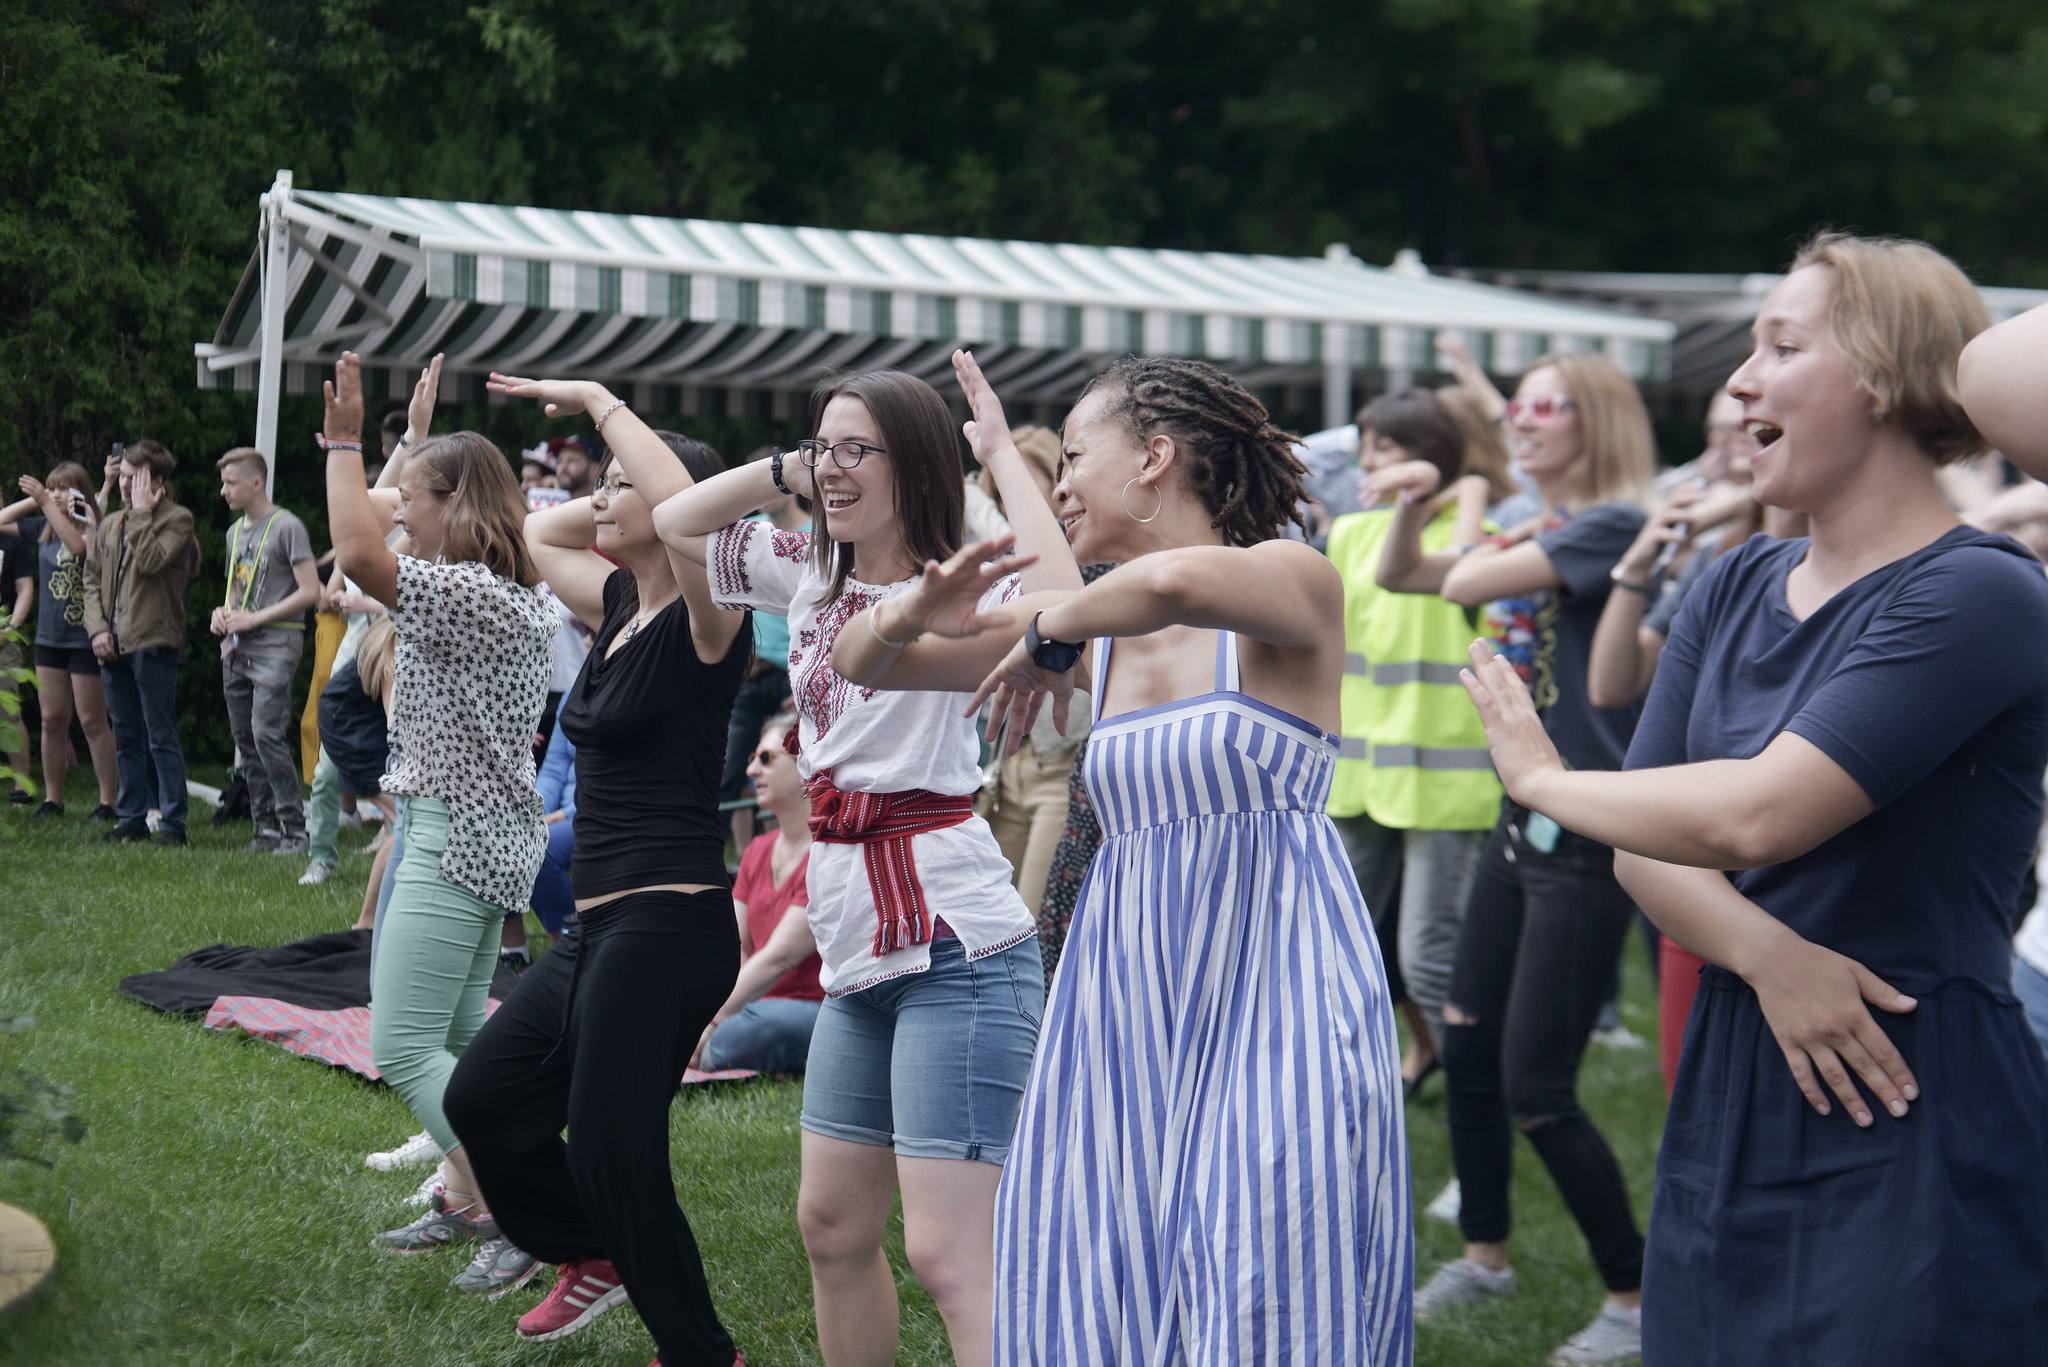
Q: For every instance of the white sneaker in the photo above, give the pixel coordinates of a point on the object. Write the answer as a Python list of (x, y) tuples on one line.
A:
[(1462, 1282), (1615, 1335), (436, 1181), (1617, 1036), (1445, 1206), (419, 1149), (351, 821), (317, 872)]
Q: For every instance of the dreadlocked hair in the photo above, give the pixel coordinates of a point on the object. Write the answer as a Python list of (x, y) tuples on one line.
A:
[(1239, 464)]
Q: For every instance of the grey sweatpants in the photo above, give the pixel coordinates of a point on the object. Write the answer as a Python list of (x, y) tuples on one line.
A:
[(258, 689), (1434, 870)]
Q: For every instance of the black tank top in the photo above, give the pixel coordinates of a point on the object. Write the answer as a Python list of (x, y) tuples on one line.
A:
[(649, 727)]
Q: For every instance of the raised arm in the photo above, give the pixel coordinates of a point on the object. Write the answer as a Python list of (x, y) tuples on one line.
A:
[(657, 476), (1470, 376), (1032, 520), (352, 520), (419, 422), (561, 538), (1623, 659), (68, 531), (1721, 814), (2003, 376), (686, 521)]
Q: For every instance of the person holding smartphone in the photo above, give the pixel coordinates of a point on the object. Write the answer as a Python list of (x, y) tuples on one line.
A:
[(139, 563)]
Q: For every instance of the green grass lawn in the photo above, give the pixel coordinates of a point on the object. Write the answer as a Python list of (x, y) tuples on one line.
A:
[(218, 1211)]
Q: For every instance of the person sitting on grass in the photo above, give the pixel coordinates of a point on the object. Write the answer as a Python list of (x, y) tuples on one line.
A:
[(766, 1023)]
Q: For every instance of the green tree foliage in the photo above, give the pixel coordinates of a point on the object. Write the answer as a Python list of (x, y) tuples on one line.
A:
[(1620, 134)]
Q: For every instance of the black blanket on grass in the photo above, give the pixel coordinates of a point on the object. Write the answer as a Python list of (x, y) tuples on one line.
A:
[(324, 973)]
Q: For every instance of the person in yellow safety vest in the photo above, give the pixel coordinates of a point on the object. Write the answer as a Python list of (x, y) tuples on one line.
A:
[(1414, 793)]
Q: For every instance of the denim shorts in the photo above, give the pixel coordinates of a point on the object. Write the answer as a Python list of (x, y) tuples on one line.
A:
[(933, 1063)]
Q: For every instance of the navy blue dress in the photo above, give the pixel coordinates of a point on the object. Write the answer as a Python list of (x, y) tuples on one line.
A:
[(1779, 1235)]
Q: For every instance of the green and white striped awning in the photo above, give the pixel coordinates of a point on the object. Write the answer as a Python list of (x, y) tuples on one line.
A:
[(760, 310)]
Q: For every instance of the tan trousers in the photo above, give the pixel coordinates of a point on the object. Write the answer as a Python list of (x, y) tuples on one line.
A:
[(1027, 813)]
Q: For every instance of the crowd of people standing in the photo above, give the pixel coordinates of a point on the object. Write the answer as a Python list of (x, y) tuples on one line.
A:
[(1113, 1010)]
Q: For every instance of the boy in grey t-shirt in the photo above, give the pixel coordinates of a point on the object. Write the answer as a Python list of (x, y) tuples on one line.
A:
[(271, 582)]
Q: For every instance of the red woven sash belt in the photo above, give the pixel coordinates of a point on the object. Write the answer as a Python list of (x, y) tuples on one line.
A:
[(882, 824)]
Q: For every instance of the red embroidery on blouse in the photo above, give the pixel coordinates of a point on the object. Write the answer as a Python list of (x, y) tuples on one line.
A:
[(821, 693), (729, 559), (794, 546)]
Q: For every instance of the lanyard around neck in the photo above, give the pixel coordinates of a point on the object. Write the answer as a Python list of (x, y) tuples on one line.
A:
[(262, 549)]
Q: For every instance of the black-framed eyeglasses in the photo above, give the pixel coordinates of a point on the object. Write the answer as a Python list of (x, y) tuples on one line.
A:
[(845, 454), (613, 486)]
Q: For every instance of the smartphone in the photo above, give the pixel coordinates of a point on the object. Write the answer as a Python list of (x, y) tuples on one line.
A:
[(1670, 551)]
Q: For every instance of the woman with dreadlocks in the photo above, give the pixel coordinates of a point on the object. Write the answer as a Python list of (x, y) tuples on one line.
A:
[(1210, 1165)]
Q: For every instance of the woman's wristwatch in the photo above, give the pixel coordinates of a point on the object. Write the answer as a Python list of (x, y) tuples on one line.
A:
[(1054, 657), (775, 473)]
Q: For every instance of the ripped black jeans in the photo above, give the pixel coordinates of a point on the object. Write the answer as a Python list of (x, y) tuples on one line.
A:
[(1542, 934)]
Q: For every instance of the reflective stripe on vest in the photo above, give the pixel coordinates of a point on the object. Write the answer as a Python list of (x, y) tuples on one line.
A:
[(1414, 671), (1439, 759)]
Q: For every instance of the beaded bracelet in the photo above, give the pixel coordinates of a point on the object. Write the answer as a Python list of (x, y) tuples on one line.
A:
[(326, 445), (616, 405)]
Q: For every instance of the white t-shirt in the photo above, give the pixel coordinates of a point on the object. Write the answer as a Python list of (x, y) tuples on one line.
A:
[(873, 742)]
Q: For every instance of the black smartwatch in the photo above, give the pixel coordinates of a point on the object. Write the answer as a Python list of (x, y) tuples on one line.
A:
[(1055, 657), (775, 473)]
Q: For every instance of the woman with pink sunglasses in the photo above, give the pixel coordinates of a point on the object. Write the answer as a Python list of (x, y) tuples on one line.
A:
[(1545, 920)]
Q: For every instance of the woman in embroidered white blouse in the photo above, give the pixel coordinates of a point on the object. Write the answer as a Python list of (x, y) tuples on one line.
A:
[(931, 968)]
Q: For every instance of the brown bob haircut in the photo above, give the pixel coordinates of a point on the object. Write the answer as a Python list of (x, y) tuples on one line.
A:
[(71, 475), (1416, 422), (483, 517), (924, 458), (1903, 313)]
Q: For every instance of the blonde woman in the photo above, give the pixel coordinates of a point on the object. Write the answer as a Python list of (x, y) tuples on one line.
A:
[(469, 677), (1857, 723), (1545, 920)]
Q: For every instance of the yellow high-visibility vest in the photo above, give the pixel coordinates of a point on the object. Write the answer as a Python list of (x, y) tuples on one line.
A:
[(1413, 752)]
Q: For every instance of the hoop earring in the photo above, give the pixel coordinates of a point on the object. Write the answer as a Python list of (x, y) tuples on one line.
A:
[(1126, 500)]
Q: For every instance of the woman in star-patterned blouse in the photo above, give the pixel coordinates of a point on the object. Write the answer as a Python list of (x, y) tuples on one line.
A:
[(470, 676)]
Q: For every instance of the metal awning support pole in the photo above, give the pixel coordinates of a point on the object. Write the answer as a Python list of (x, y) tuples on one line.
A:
[(270, 365)]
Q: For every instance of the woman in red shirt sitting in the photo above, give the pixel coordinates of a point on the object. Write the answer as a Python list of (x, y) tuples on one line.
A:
[(766, 1023)]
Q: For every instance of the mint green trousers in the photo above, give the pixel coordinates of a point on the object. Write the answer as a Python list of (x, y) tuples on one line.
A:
[(437, 947)]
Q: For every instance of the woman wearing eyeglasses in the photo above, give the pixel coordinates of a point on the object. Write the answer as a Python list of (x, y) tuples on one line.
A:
[(1546, 920), (598, 1034), (930, 967)]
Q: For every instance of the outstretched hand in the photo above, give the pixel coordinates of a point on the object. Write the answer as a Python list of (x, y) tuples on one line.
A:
[(344, 396), (946, 599), (560, 398), (988, 433), (1514, 733), (419, 414), (1017, 689)]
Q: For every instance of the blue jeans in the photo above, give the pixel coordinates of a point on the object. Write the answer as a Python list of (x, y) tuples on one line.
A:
[(769, 1035), (142, 704), (933, 1063), (554, 899), (2031, 987)]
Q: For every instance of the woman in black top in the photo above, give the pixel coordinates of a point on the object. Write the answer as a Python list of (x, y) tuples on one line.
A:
[(599, 1031)]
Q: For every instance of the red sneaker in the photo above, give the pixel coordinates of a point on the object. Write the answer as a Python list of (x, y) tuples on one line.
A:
[(586, 1288)]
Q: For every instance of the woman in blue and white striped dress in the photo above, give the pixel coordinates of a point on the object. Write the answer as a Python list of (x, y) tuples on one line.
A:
[(1210, 1165)]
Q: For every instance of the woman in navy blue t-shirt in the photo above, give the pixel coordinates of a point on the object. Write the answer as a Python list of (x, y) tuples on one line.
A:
[(1858, 723)]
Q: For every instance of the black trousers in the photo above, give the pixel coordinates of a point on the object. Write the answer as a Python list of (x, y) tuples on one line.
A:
[(596, 1038), (1543, 933)]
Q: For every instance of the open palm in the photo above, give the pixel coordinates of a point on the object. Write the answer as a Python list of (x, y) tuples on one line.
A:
[(946, 599)]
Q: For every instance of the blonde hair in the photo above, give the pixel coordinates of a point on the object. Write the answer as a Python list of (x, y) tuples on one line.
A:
[(1040, 445), (373, 656), (483, 515), (1486, 445), (245, 455), (1902, 313), (1614, 427)]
